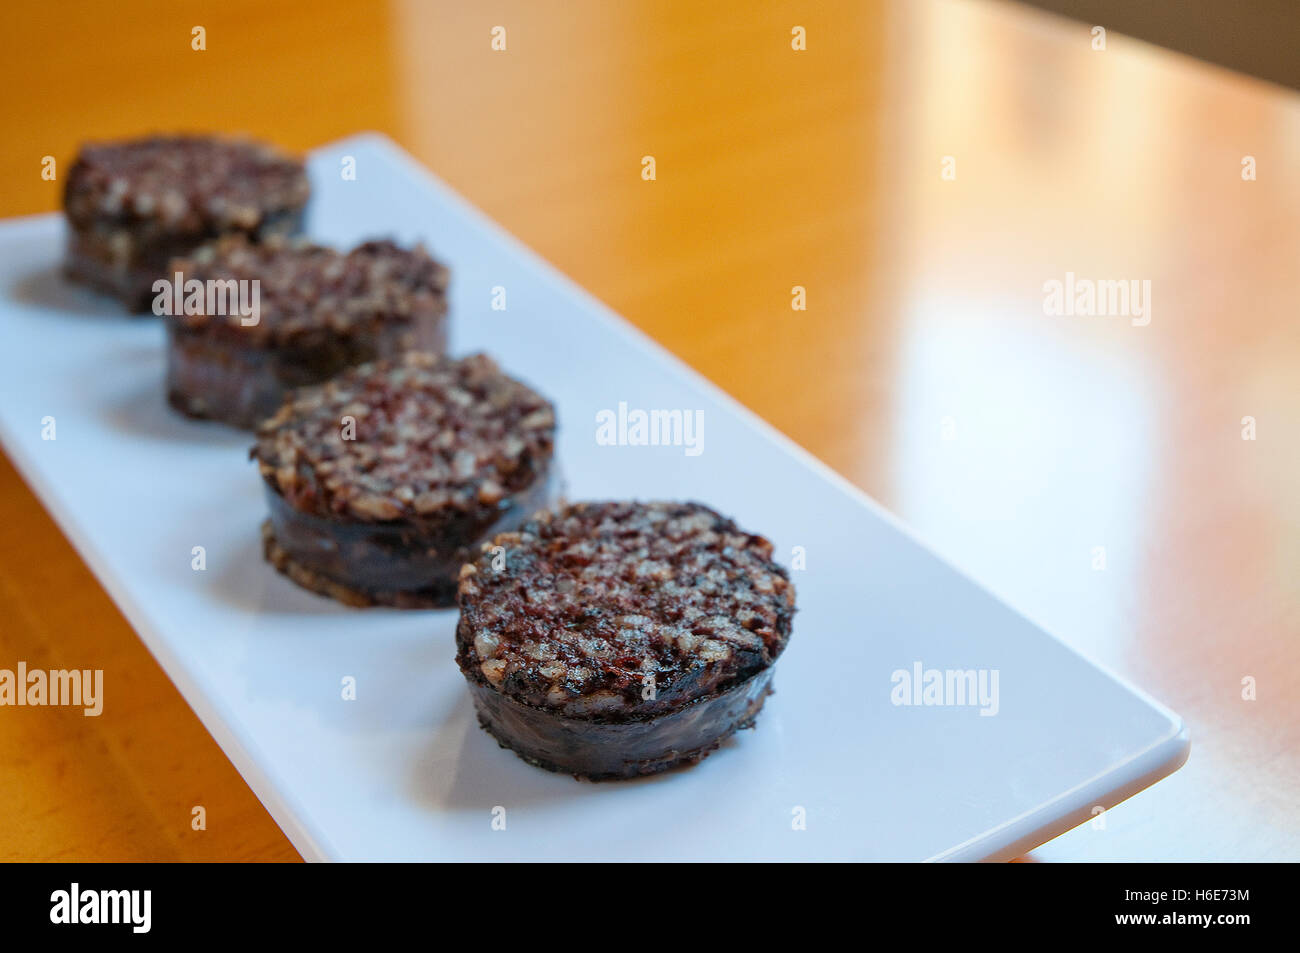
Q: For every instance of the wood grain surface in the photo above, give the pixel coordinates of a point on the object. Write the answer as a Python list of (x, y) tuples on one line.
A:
[(1023, 445)]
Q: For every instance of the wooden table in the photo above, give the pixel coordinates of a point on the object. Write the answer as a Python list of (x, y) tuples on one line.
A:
[(926, 367)]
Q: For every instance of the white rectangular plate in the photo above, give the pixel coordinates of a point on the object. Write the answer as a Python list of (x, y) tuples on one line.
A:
[(834, 769)]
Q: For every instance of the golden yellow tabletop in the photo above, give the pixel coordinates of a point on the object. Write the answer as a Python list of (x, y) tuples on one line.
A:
[(925, 171)]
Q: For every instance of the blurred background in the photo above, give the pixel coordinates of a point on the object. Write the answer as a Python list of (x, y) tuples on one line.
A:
[(922, 168)]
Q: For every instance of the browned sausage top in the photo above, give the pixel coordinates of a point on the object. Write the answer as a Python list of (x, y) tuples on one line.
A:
[(622, 610), (418, 438), (184, 185), (309, 293)]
